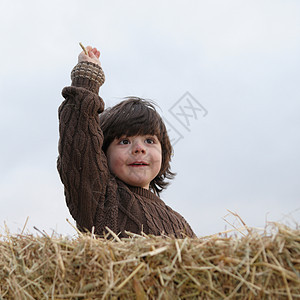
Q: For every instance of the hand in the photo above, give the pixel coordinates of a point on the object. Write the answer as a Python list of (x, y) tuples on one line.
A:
[(93, 56)]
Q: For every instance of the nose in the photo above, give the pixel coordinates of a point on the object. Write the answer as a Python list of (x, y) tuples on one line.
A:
[(138, 148)]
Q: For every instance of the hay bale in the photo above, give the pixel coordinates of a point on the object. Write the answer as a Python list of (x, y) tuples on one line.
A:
[(255, 266)]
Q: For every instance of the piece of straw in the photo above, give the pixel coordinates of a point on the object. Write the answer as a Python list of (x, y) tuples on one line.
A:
[(83, 48)]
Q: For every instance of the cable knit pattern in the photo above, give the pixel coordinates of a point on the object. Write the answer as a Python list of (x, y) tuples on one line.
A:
[(94, 196), (89, 75), (160, 218)]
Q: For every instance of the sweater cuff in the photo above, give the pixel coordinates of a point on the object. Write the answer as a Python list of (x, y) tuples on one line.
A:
[(88, 75)]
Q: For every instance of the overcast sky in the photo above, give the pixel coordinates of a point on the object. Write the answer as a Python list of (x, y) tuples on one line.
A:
[(226, 77)]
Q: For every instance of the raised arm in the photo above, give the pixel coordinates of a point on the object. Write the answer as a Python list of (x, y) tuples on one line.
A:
[(81, 163)]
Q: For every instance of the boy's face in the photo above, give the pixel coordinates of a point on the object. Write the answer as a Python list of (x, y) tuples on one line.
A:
[(135, 160)]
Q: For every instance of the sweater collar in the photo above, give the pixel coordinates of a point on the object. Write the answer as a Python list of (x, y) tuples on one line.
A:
[(144, 193)]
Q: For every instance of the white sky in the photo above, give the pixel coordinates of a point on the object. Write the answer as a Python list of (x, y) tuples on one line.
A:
[(238, 59)]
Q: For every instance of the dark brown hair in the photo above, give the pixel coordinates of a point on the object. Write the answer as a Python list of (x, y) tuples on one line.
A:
[(136, 116)]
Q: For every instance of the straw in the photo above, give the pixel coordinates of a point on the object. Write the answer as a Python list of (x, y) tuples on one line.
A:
[(83, 48), (258, 265)]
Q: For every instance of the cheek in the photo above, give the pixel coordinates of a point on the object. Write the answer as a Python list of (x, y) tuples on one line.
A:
[(115, 161), (111, 160), (158, 158), (160, 161)]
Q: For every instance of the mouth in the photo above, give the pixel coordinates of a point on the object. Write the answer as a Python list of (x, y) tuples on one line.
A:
[(139, 164)]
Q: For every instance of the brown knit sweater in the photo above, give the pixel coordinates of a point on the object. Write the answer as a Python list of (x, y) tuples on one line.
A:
[(94, 196)]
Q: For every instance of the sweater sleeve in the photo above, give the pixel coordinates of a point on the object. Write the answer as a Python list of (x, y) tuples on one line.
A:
[(81, 163)]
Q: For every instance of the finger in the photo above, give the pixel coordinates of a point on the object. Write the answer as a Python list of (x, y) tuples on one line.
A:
[(88, 49), (97, 53), (92, 54), (95, 50)]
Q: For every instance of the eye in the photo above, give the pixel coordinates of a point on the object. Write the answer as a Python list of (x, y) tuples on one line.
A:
[(150, 140), (124, 142)]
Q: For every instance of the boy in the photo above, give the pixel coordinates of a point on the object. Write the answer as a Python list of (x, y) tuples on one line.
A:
[(113, 169)]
